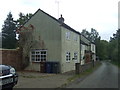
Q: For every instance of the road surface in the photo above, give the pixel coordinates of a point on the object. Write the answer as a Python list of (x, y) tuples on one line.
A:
[(106, 76)]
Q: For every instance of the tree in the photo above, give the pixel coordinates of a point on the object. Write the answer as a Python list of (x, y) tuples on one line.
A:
[(85, 33), (8, 33), (114, 47), (23, 37), (23, 18), (94, 37), (103, 50), (9, 28), (118, 46)]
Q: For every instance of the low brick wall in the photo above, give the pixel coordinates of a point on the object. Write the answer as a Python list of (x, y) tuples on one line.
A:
[(11, 57), (85, 66), (82, 68)]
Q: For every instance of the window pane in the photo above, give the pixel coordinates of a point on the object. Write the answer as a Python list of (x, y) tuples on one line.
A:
[(43, 52), (75, 56), (33, 52), (33, 59), (38, 55), (37, 52), (68, 35), (67, 56)]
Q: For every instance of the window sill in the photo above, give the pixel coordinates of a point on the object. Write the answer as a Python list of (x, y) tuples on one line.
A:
[(35, 62), (67, 61)]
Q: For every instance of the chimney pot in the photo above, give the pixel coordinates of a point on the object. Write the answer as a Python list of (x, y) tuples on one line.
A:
[(61, 19)]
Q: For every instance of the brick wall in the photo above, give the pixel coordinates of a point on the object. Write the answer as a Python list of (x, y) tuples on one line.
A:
[(11, 57), (82, 68)]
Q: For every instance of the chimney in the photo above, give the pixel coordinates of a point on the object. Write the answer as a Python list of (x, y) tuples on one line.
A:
[(61, 19)]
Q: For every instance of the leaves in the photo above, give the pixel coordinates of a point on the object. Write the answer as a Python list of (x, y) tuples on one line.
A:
[(8, 33), (94, 37), (9, 28), (114, 46), (101, 45), (23, 18)]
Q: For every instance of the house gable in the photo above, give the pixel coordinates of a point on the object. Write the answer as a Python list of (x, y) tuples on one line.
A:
[(57, 20)]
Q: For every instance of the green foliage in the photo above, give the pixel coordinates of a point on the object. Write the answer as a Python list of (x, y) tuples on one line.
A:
[(103, 50), (9, 28), (114, 45), (23, 18), (8, 33), (94, 37), (85, 33), (116, 63)]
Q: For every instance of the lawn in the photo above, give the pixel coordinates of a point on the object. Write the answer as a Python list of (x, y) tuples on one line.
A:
[(116, 63)]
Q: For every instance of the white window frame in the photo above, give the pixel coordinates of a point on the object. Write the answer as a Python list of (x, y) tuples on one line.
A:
[(92, 47), (68, 57), (38, 55), (68, 34), (75, 56), (75, 37)]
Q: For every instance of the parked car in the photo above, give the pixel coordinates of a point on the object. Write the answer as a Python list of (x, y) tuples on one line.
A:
[(8, 77)]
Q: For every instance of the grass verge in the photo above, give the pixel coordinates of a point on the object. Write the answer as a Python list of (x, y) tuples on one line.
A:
[(81, 75), (116, 63)]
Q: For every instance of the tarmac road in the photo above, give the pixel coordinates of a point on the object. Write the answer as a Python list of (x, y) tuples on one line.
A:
[(106, 76)]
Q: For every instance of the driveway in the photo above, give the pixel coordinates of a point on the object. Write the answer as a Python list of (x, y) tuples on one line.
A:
[(42, 80), (106, 76)]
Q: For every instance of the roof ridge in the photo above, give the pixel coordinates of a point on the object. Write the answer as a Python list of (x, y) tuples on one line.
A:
[(62, 24), (48, 15)]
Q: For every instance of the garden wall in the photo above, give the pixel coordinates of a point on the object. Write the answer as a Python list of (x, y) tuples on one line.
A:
[(11, 57), (82, 68)]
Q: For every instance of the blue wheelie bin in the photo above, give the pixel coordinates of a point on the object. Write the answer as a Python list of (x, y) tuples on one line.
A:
[(48, 67), (55, 67)]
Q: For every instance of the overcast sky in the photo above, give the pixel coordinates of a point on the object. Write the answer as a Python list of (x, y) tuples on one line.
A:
[(101, 15)]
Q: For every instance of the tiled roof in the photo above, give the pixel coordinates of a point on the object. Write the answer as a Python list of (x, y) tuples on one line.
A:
[(62, 24), (84, 43)]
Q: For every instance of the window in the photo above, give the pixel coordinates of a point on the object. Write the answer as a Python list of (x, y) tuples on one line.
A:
[(38, 55), (67, 56), (75, 56), (68, 35), (75, 37), (92, 47)]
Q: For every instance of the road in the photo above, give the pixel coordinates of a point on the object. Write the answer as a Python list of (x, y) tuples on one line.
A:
[(106, 76)]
